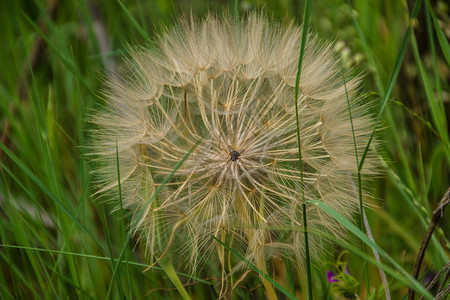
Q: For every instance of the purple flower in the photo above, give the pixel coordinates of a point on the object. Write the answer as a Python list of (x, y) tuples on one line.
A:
[(331, 277)]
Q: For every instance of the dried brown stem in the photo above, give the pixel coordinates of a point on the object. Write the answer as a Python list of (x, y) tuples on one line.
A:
[(447, 275), (437, 214), (443, 293), (433, 282)]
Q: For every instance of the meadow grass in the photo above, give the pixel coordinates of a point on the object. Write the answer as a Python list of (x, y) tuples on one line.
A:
[(57, 241)]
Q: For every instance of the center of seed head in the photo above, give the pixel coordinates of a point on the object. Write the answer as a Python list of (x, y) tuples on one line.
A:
[(234, 155)]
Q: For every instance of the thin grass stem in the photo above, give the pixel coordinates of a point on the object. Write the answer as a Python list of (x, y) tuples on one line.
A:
[(302, 187)]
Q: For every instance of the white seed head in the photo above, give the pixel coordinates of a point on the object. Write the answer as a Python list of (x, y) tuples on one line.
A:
[(226, 90)]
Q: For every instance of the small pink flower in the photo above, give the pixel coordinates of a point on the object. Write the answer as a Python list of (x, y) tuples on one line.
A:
[(331, 277)]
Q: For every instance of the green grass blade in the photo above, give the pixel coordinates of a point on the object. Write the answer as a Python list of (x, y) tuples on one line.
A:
[(358, 173), (392, 79), (79, 289), (72, 68), (422, 120), (443, 41), (39, 183), (22, 277), (302, 187), (115, 279), (431, 39), (89, 256), (367, 50), (134, 21), (436, 113)]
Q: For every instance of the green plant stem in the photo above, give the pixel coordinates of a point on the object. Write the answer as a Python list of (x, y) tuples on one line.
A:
[(302, 187)]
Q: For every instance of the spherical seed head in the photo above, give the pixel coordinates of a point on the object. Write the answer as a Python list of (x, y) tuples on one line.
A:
[(203, 129)]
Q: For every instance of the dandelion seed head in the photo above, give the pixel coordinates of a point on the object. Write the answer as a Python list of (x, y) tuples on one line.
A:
[(218, 96)]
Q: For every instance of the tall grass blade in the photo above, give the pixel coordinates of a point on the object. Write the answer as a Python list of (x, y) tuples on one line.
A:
[(437, 114), (39, 183), (302, 187), (134, 21), (72, 68), (392, 79), (443, 41), (360, 198)]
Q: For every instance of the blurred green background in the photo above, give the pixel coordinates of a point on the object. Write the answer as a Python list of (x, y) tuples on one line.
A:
[(53, 57)]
